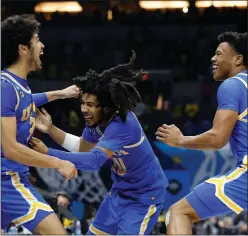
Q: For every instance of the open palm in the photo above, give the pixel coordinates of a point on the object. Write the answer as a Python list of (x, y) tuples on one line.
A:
[(43, 121)]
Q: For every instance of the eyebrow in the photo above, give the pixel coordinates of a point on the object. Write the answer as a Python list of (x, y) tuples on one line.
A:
[(88, 102)]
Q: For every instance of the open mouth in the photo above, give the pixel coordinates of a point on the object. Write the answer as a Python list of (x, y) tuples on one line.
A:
[(41, 54), (88, 117), (215, 67)]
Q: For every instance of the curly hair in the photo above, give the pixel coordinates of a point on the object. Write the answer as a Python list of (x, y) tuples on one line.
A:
[(238, 42), (16, 30), (115, 87)]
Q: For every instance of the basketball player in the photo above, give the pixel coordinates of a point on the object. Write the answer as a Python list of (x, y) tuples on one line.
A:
[(114, 134), (20, 203), (227, 193)]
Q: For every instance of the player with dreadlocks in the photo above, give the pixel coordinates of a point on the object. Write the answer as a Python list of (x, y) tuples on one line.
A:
[(114, 134)]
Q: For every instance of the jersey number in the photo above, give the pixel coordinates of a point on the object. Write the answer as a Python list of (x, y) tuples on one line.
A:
[(31, 130), (119, 167)]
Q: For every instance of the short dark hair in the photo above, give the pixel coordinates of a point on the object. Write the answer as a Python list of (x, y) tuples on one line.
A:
[(16, 30), (238, 42), (115, 88)]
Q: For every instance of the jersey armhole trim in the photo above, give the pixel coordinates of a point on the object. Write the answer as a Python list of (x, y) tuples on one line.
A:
[(17, 94), (238, 78)]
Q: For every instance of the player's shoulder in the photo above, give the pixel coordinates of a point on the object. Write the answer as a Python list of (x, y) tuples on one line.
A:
[(231, 84), (238, 79), (6, 84), (131, 123)]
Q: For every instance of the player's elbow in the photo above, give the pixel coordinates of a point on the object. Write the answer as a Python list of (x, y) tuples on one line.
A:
[(99, 159), (9, 152), (219, 142), (216, 140), (217, 146)]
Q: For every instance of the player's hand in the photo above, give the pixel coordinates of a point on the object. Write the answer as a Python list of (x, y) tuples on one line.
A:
[(67, 169), (70, 92), (43, 121), (170, 135), (38, 146)]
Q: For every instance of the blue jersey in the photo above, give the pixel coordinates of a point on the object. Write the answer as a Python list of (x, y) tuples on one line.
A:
[(136, 170), (17, 102), (232, 95)]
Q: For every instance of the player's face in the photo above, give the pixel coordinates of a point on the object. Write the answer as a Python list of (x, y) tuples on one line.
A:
[(35, 51), (223, 61), (93, 113)]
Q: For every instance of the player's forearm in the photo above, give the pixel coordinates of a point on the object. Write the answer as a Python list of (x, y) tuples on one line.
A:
[(54, 95), (85, 146), (208, 140), (68, 141), (29, 157), (92, 160), (57, 135)]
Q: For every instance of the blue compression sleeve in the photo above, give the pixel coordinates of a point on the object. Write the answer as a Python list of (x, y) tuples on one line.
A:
[(92, 160), (40, 99)]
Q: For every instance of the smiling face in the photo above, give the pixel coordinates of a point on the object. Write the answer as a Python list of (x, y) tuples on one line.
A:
[(34, 52), (93, 113), (224, 62)]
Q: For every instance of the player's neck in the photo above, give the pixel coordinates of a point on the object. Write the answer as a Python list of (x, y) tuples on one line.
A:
[(19, 69), (238, 70)]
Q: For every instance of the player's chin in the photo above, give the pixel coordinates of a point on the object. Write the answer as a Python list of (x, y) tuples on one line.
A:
[(216, 77), (39, 68), (39, 65), (90, 123)]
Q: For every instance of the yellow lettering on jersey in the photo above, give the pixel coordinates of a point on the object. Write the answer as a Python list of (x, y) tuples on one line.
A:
[(114, 166), (27, 112), (119, 167), (31, 130), (34, 107), (123, 152)]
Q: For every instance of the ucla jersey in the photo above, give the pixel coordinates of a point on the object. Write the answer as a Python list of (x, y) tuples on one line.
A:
[(136, 170), (227, 193), (25, 117), (238, 140), (139, 184), (232, 95)]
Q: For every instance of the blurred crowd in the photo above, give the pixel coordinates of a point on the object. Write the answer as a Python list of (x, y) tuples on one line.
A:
[(186, 52)]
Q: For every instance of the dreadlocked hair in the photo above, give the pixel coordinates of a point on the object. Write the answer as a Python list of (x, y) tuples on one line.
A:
[(115, 87)]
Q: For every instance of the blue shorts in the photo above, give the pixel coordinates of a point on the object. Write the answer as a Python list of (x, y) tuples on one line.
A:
[(221, 195), (121, 215), (20, 203)]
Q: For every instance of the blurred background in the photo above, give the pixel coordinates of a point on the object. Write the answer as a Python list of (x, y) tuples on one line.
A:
[(174, 42)]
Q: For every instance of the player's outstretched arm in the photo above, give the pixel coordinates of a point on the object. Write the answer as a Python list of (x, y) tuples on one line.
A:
[(43, 98), (68, 141), (215, 138), (224, 122), (92, 160), (17, 152)]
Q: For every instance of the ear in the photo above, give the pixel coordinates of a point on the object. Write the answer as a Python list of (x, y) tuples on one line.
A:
[(239, 60), (23, 50)]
